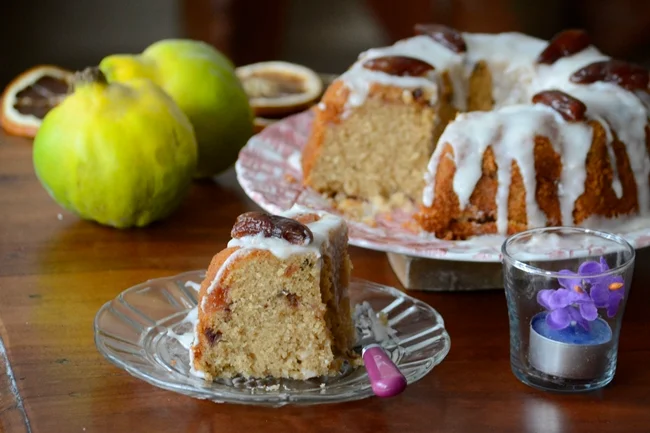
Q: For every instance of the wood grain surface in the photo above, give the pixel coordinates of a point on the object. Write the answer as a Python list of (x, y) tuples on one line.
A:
[(56, 271)]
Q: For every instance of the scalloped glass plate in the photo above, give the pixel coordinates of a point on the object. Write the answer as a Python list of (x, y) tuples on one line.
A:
[(136, 331)]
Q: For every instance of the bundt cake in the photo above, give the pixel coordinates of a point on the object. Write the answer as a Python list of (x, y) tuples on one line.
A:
[(275, 301), (485, 133)]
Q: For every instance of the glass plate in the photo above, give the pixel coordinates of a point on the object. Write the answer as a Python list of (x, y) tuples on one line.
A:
[(136, 331)]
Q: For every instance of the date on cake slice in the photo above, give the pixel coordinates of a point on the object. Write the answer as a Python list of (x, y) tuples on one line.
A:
[(275, 301)]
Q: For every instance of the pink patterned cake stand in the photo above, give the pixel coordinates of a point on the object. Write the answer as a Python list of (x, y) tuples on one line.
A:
[(269, 171)]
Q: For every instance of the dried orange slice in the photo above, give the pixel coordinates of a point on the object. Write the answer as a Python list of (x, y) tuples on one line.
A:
[(30, 96), (277, 89)]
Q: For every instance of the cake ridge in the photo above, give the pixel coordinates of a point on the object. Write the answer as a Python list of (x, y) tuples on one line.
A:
[(505, 135)]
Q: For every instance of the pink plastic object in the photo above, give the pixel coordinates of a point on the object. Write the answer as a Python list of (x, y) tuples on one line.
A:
[(385, 378)]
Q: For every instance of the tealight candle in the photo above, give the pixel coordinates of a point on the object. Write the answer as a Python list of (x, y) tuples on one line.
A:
[(572, 352), (565, 307)]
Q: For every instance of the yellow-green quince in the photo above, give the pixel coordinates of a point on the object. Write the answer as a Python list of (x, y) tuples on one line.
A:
[(120, 154), (203, 83)]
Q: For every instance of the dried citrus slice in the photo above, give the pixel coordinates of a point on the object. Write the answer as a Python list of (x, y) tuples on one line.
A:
[(30, 96), (277, 89)]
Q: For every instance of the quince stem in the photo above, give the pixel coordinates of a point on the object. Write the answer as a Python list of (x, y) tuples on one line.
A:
[(91, 75)]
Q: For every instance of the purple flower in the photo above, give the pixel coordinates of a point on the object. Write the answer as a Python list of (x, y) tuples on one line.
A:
[(574, 303), (606, 291), (567, 305)]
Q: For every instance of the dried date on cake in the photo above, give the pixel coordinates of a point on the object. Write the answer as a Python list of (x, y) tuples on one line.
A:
[(627, 75), (400, 66), (570, 108), (271, 226), (564, 44), (446, 36)]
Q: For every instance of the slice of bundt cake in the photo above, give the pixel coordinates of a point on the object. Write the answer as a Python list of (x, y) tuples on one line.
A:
[(275, 301)]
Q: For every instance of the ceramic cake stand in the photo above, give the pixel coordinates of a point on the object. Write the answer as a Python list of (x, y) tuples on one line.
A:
[(269, 171)]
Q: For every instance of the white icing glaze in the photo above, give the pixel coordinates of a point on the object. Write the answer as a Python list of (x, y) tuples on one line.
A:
[(218, 277), (510, 57), (426, 49), (187, 337), (511, 127), (511, 132), (280, 248), (510, 53), (418, 47), (359, 79), (512, 49), (194, 371)]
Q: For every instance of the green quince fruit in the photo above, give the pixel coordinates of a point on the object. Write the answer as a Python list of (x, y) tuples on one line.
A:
[(203, 83), (120, 154)]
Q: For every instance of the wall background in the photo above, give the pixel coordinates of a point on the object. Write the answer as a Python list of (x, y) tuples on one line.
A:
[(78, 33), (326, 35)]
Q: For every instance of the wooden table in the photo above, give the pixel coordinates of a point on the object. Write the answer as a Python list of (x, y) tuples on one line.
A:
[(56, 271)]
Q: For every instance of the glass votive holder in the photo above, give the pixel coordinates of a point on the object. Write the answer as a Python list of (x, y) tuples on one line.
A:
[(566, 289)]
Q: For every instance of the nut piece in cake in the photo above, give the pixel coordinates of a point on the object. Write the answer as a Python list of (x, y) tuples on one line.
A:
[(271, 226), (447, 36), (564, 44), (570, 108), (400, 66), (627, 75)]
